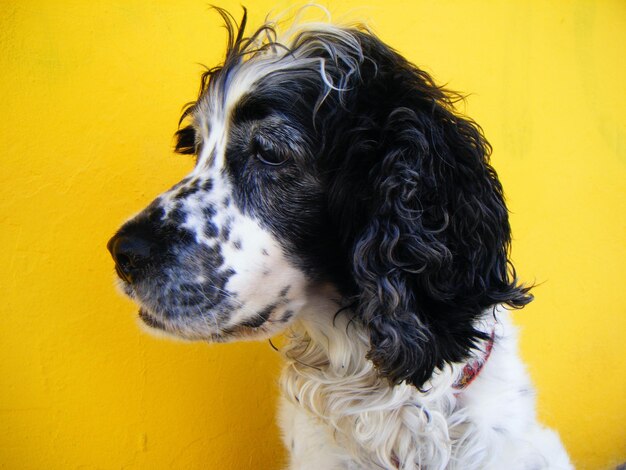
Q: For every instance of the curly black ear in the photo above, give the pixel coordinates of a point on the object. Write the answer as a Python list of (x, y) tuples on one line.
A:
[(424, 214)]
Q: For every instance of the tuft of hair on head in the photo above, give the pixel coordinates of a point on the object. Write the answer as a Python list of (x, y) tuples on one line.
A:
[(290, 42), (186, 140)]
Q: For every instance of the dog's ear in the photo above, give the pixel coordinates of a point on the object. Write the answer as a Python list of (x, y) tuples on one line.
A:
[(423, 214)]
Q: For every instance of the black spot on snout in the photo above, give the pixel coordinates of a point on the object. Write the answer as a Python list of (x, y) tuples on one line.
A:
[(207, 185), (226, 228), (189, 295), (177, 215), (186, 191), (210, 230), (203, 277), (209, 212)]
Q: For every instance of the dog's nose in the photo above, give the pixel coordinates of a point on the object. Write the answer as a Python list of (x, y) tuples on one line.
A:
[(130, 253)]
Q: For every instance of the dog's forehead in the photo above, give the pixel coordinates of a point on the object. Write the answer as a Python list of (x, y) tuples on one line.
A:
[(214, 110)]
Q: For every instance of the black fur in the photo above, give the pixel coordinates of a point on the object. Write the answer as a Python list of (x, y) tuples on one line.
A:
[(423, 213), (390, 194)]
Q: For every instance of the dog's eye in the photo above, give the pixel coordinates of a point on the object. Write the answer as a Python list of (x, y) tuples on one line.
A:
[(266, 154)]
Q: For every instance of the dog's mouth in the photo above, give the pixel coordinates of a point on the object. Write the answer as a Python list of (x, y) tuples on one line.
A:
[(191, 330), (173, 318), (189, 316), (173, 329), (193, 302)]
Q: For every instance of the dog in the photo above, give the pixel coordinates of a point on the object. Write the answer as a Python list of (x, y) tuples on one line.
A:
[(339, 197)]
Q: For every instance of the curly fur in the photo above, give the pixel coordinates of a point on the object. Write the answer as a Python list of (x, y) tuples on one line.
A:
[(335, 401), (339, 177)]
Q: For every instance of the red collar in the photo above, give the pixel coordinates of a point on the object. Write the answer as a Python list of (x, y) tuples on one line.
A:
[(473, 368)]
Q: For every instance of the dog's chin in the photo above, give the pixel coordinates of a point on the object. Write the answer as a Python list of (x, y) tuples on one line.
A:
[(159, 328), (173, 330)]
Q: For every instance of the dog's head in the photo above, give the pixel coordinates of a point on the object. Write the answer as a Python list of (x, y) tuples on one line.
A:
[(324, 157)]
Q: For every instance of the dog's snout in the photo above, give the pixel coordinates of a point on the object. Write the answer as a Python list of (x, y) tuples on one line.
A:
[(130, 253)]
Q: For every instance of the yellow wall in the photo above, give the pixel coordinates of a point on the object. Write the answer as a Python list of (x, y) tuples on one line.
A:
[(91, 93)]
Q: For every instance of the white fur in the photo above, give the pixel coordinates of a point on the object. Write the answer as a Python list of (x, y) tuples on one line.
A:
[(337, 414)]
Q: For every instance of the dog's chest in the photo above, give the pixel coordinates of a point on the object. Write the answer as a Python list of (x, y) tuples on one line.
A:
[(309, 442)]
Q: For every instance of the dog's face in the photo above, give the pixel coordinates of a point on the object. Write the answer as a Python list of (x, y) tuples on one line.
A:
[(214, 266), (227, 252), (325, 157), (201, 264)]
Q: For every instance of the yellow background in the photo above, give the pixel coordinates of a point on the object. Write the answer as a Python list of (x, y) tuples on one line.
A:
[(91, 94)]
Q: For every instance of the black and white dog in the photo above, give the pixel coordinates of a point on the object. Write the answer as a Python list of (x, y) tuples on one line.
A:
[(338, 196)]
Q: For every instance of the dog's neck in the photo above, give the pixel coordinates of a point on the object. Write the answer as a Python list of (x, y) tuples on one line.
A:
[(327, 374), (325, 342)]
